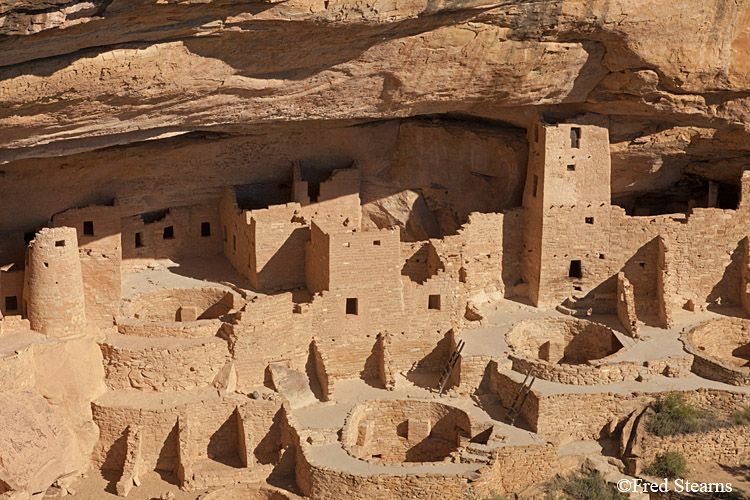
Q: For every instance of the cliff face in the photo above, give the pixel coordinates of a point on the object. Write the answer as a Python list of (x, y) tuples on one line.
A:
[(674, 81)]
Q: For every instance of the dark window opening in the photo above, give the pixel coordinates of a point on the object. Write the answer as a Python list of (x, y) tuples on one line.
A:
[(169, 232), (313, 191), (60, 243), (575, 137), (589, 220), (575, 270), (642, 264), (11, 303), (88, 228), (571, 168), (352, 307), (376, 243), (536, 186), (578, 288), (433, 302), (728, 196), (601, 256), (138, 240), (46, 264), (205, 229)]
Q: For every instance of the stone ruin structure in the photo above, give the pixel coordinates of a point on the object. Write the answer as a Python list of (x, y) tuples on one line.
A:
[(244, 348)]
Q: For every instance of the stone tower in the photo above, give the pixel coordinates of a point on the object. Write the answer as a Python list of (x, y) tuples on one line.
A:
[(53, 288), (567, 204)]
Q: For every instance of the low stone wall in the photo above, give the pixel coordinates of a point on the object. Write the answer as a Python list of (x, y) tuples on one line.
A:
[(162, 364), (166, 305), (177, 329), (319, 482), (515, 468), (600, 372), (249, 492), (713, 344), (727, 445)]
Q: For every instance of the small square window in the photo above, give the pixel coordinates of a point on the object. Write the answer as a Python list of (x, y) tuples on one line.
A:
[(352, 307), (376, 243), (589, 220), (11, 303), (46, 264), (60, 243), (571, 168), (88, 228), (433, 302), (601, 256), (205, 229), (169, 232), (138, 240)]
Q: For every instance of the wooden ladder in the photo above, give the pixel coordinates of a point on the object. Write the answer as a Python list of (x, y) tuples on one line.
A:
[(450, 366), (523, 393)]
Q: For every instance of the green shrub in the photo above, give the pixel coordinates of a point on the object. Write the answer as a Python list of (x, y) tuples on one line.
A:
[(585, 486), (735, 494), (741, 417), (670, 464), (673, 415)]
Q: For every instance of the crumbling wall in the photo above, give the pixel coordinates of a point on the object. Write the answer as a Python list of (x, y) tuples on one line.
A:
[(626, 306)]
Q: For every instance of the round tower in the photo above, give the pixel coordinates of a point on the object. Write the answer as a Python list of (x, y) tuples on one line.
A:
[(53, 284)]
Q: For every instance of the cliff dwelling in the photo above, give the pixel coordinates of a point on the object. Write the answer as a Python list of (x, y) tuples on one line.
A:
[(391, 250)]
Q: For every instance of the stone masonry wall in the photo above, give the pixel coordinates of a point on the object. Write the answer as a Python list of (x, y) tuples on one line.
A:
[(159, 426), (98, 230), (162, 364)]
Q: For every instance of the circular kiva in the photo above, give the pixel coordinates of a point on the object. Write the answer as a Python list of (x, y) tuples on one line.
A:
[(569, 351), (398, 431), (721, 350)]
